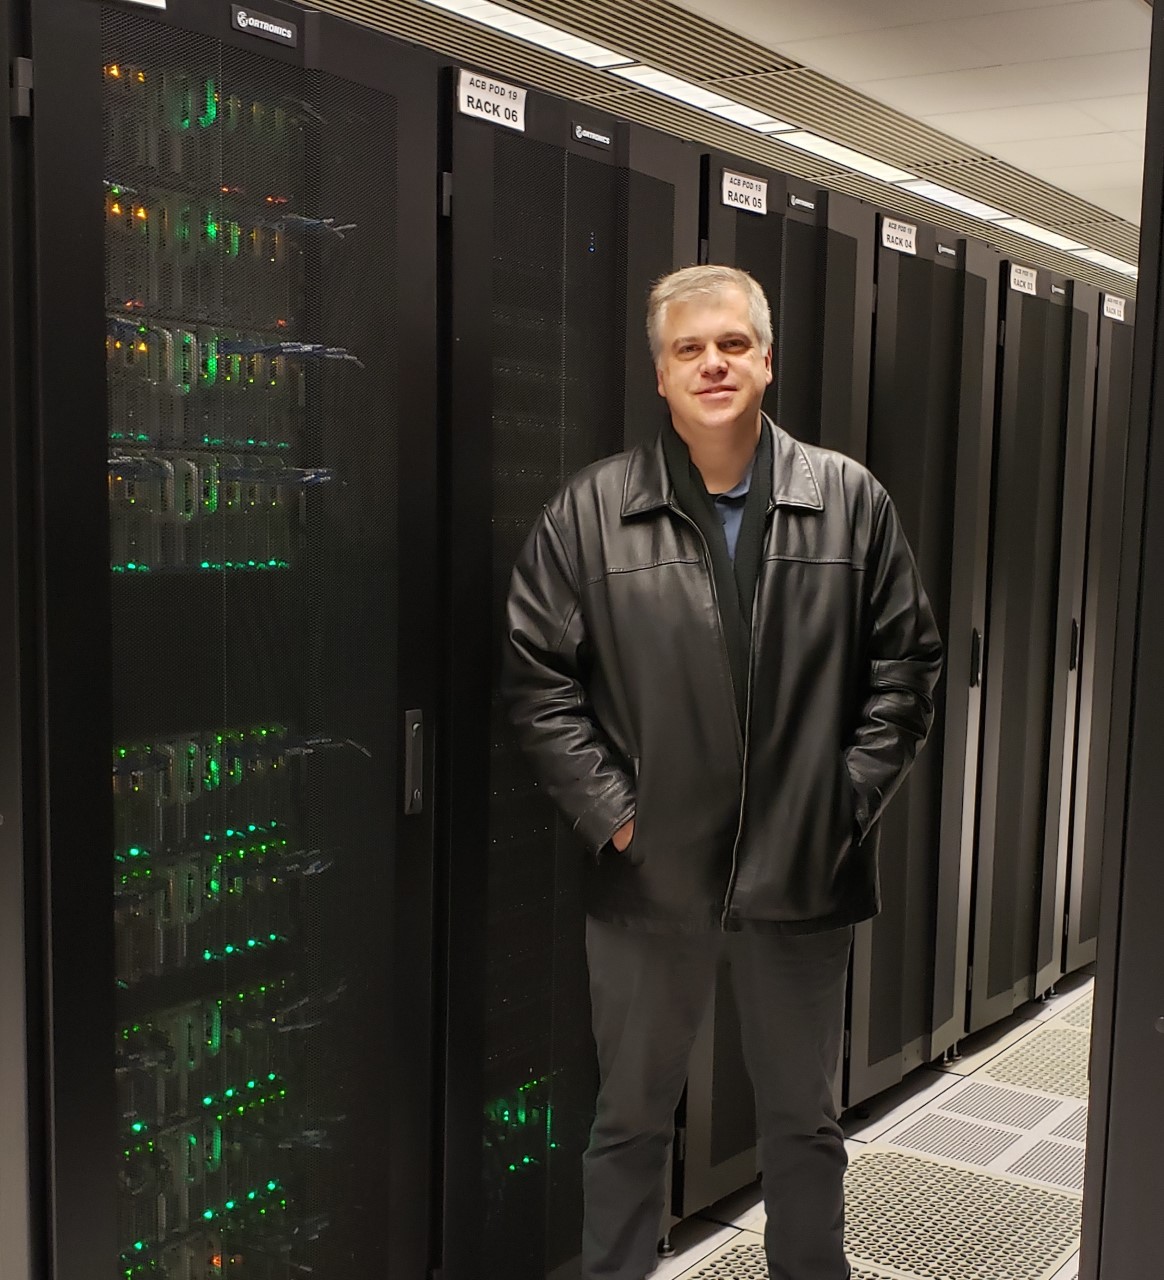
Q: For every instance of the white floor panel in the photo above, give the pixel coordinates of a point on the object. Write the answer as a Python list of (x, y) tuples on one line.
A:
[(894, 1105), (969, 1172)]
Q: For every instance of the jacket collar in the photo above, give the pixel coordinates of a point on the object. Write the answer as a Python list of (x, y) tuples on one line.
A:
[(794, 484)]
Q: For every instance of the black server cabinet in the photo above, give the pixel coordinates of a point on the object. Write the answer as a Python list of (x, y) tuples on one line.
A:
[(235, 449), (930, 444), (813, 253), (1097, 638), (554, 241), (1046, 388)]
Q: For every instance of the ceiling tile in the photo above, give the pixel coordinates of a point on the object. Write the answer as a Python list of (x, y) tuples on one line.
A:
[(1047, 153), (1124, 201), (1091, 26), (1056, 80), (898, 51), (772, 24), (1127, 111), (1015, 124), (1085, 178)]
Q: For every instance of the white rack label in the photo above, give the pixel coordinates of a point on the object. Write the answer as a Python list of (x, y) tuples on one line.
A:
[(742, 191), (487, 99), (1024, 279), (901, 236), (1113, 307)]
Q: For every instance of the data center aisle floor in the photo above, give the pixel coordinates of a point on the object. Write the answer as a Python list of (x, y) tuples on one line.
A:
[(969, 1172)]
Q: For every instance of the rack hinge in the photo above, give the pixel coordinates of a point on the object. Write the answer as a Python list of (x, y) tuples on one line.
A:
[(681, 1143), (848, 1044), (446, 195), (20, 84), (1001, 332)]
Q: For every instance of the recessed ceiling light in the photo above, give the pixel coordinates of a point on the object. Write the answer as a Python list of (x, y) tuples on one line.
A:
[(954, 200), (845, 156), (542, 34), (1101, 259), (1034, 232)]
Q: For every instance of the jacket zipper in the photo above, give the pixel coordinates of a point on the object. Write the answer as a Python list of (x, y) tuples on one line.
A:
[(747, 706), (740, 739), (727, 901)]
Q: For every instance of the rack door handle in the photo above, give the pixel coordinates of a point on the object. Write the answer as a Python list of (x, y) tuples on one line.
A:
[(1073, 661), (975, 659), (413, 762)]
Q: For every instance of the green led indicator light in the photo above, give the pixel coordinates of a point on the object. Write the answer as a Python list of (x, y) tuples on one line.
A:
[(208, 117), (208, 1214)]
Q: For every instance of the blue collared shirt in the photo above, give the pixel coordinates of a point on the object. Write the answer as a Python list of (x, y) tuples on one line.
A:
[(729, 507)]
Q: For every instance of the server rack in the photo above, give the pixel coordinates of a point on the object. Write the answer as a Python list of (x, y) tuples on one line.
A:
[(1045, 397), (553, 242), (930, 444), (813, 253), (1097, 640), (230, 286)]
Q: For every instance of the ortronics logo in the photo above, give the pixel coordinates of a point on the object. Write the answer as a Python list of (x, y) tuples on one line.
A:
[(583, 134), (261, 24), (797, 203)]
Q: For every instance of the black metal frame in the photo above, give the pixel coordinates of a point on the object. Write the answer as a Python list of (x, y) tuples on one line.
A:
[(22, 1224), (1078, 375), (468, 237), (74, 610), (937, 978), (1072, 565), (1124, 1183), (1097, 642)]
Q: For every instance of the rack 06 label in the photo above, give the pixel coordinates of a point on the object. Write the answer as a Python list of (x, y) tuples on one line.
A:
[(484, 98)]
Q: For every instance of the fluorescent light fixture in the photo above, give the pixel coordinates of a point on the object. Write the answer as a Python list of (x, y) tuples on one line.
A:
[(750, 116), (530, 29), (954, 200), (1033, 231), (845, 156), (1101, 259), (672, 87), (696, 95)]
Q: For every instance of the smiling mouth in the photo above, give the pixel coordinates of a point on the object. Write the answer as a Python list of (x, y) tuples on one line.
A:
[(714, 391)]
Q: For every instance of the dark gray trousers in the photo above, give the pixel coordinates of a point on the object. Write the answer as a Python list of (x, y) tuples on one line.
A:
[(649, 993)]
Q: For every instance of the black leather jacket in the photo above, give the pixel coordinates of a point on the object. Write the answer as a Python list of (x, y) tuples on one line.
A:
[(618, 683)]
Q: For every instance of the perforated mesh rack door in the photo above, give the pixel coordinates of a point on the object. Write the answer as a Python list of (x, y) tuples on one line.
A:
[(546, 290), (913, 451), (1097, 653), (253, 343), (1027, 717)]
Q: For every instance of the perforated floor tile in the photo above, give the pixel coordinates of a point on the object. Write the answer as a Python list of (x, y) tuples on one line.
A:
[(1074, 1127), (1080, 1015), (746, 1262), (1052, 1059), (923, 1218), (1000, 1104)]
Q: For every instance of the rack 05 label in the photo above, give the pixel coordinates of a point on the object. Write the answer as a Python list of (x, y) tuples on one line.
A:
[(244, 18), (742, 191), (487, 99)]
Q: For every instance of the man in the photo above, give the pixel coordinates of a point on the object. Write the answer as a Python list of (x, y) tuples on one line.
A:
[(720, 663)]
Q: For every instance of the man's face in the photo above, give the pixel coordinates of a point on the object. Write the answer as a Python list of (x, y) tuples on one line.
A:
[(712, 371)]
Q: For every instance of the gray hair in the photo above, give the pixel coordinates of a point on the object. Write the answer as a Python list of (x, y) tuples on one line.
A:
[(706, 283)]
